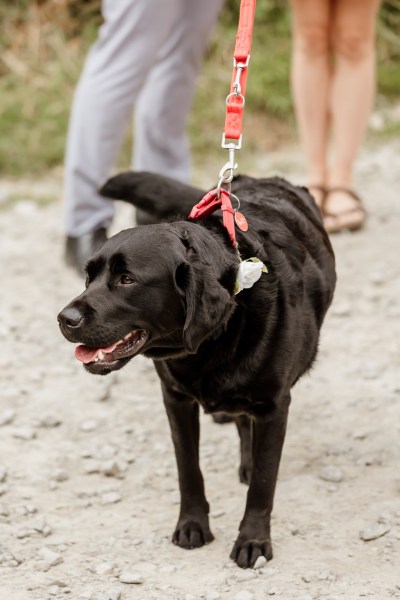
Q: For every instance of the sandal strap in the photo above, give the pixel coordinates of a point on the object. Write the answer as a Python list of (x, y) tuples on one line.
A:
[(345, 190), (348, 211)]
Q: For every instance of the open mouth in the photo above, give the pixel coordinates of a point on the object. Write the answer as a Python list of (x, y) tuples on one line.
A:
[(125, 348)]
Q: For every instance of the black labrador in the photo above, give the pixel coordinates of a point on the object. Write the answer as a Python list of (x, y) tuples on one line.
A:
[(167, 291)]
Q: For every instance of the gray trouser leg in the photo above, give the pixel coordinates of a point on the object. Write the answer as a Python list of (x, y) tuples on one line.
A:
[(160, 142), (115, 71)]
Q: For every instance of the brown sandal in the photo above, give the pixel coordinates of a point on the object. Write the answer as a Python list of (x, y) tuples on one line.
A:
[(337, 226)]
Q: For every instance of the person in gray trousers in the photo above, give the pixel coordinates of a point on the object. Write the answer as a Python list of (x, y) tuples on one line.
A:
[(146, 58)]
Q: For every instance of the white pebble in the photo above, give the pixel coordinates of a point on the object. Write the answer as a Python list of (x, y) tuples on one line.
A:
[(60, 475), (24, 433), (260, 562), (131, 577), (89, 425), (212, 595), (7, 416), (50, 557), (245, 575), (49, 421), (331, 473), (244, 595), (110, 498), (114, 468), (3, 474), (103, 569), (372, 532)]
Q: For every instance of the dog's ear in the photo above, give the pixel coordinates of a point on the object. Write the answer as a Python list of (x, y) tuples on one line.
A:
[(208, 303), (159, 196)]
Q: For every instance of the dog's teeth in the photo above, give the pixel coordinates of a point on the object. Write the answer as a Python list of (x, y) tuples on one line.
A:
[(96, 359), (128, 336), (100, 355)]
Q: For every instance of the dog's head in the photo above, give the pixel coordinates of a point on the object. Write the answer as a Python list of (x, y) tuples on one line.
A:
[(160, 290)]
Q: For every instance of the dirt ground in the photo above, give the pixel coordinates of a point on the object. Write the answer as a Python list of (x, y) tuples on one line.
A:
[(88, 490)]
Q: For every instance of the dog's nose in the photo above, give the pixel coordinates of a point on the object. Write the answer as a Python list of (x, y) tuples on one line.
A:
[(70, 318)]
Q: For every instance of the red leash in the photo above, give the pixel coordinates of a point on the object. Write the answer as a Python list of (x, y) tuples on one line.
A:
[(221, 197)]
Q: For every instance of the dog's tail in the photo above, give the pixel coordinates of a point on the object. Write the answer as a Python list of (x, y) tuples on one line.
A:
[(157, 195)]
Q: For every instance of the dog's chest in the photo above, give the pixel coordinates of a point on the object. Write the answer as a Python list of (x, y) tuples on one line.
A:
[(220, 393)]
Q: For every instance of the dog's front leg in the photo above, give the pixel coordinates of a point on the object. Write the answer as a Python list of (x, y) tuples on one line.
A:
[(192, 530), (254, 532)]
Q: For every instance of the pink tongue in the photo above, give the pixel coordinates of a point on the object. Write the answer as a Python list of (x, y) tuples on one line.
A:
[(86, 354)]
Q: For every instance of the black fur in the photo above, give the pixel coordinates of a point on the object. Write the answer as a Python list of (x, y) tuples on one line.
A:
[(235, 354)]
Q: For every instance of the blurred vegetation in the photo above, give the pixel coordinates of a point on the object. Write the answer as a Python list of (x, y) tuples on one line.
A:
[(43, 44)]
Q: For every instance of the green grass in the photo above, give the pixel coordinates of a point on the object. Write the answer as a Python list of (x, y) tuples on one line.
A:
[(42, 53)]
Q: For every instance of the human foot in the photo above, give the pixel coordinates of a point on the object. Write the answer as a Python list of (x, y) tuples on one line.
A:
[(318, 192), (342, 209)]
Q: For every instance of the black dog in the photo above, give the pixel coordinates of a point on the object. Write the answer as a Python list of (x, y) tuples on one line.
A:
[(167, 291)]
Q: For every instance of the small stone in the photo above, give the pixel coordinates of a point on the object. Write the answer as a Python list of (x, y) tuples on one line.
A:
[(25, 509), (131, 577), (111, 594), (331, 473), (92, 466), (244, 595), (24, 433), (260, 562), (7, 558), (114, 468), (89, 425), (372, 532), (59, 583), (103, 569), (49, 421), (3, 474), (60, 475), (110, 498), (168, 569), (212, 595), (4, 512), (7, 416), (341, 310), (49, 556), (245, 575), (42, 527)]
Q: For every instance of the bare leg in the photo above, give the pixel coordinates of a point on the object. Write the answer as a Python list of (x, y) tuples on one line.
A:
[(310, 77), (353, 90)]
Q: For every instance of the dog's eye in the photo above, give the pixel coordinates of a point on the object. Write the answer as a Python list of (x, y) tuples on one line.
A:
[(126, 280)]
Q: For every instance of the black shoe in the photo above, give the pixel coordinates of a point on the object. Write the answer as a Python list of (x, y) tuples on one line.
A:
[(78, 250)]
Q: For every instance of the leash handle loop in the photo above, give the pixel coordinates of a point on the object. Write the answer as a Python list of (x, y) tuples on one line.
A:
[(236, 98), (220, 197)]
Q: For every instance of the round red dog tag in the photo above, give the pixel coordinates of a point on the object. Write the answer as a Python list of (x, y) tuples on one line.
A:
[(241, 221)]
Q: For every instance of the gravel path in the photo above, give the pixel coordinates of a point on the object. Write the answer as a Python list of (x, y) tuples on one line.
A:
[(88, 492)]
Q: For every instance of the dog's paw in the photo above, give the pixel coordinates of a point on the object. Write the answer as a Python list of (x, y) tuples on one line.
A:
[(246, 551), (191, 533)]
